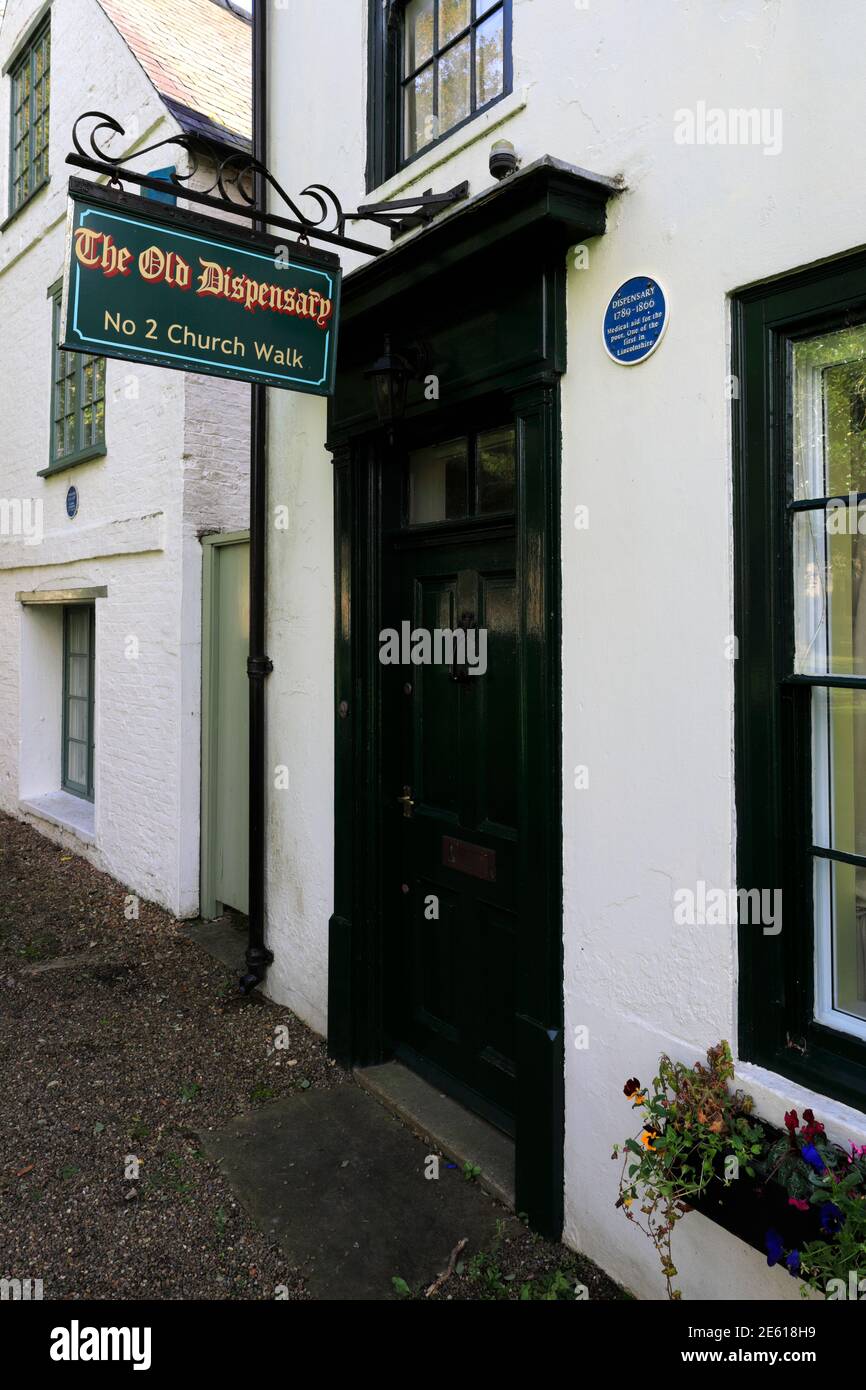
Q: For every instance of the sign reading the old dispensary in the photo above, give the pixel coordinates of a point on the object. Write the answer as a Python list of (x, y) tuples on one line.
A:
[(152, 284)]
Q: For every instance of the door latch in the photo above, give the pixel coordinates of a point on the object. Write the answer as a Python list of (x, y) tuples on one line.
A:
[(406, 802)]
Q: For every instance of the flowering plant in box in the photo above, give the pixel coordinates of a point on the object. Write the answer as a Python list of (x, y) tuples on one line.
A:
[(829, 1181), (699, 1136), (692, 1127)]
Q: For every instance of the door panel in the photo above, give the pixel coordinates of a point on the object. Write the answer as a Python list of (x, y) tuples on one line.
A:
[(450, 865)]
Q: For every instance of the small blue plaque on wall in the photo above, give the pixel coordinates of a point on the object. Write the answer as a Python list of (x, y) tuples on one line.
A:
[(72, 502), (635, 320)]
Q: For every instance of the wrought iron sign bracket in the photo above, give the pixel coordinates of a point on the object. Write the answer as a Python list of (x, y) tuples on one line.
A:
[(234, 175), (405, 214)]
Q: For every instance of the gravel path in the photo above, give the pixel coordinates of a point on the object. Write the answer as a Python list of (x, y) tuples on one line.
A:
[(120, 1041)]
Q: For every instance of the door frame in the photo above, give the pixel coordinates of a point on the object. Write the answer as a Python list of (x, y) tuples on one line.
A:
[(484, 291), (209, 907), (356, 1032)]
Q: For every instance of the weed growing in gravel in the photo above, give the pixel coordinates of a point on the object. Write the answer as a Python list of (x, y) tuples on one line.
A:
[(40, 948), (484, 1271)]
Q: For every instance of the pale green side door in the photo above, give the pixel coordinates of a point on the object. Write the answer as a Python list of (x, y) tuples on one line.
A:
[(225, 723)]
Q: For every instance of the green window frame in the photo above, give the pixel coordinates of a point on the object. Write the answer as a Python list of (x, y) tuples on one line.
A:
[(30, 82), (797, 782), (434, 65), (79, 651), (77, 401), (462, 478)]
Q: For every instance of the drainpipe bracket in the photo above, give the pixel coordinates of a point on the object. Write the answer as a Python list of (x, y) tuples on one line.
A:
[(259, 666)]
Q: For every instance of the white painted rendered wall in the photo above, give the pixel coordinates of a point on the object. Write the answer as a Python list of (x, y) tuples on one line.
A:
[(177, 462), (647, 589)]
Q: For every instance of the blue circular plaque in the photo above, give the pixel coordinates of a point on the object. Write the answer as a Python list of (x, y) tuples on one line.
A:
[(72, 502), (635, 320)]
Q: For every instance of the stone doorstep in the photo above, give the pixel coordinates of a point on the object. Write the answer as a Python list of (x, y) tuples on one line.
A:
[(446, 1124), (341, 1184)]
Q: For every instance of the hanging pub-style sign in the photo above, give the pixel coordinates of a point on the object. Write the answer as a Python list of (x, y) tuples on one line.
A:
[(154, 284)]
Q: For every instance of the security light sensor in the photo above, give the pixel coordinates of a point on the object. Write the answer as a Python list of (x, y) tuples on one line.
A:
[(503, 159)]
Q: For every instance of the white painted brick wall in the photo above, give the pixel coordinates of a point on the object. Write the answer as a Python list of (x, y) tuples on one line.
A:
[(647, 589), (177, 447)]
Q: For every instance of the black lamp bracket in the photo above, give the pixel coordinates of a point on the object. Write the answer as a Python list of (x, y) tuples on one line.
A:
[(405, 214)]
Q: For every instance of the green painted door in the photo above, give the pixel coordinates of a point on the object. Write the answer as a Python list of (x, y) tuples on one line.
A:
[(225, 724), (450, 820)]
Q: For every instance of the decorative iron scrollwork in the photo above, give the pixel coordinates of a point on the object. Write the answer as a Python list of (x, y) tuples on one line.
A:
[(236, 176), (234, 173)]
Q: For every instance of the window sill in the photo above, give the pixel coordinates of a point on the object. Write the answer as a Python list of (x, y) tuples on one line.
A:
[(25, 205), (450, 145), (98, 451), (69, 812)]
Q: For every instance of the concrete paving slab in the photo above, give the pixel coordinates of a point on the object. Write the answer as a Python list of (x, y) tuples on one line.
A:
[(452, 1128), (224, 938), (340, 1183)]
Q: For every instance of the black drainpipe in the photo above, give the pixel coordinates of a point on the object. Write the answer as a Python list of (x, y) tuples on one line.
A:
[(259, 665)]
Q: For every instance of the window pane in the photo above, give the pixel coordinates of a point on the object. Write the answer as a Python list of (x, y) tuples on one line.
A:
[(78, 631), (78, 699), (417, 34), (454, 15), (77, 720), (489, 59), (30, 99), (454, 85), (76, 763), (839, 770), (78, 675), (496, 470), (437, 482), (829, 547), (830, 414), (420, 124), (840, 941), (78, 406)]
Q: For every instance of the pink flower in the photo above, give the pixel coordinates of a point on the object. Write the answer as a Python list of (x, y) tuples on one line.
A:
[(798, 1203)]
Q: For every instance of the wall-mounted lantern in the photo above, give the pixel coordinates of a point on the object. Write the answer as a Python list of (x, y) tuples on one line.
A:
[(390, 375)]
